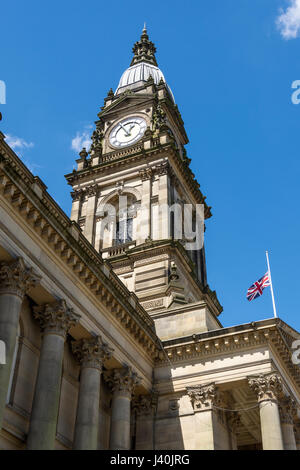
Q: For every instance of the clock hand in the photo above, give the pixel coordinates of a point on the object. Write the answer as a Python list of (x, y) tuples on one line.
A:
[(127, 133)]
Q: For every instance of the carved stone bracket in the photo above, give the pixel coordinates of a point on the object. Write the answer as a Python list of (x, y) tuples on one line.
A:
[(266, 386), (56, 317), (287, 410), (16, 279), (91, 352), (204, 397), (123, 380)]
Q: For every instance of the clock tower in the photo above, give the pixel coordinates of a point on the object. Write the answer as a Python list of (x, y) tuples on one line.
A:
[(137, 164)]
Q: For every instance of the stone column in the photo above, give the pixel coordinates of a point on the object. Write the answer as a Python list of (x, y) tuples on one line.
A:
[(163, 201), (287, 411), (55, 320), (91, 354), (122, 382), (15, 280), (268, 389), (144, 408), (90, 213), (204, 399), (145, 214)]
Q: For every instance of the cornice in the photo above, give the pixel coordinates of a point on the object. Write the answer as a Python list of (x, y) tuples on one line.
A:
[(228, 340), (27, 196)]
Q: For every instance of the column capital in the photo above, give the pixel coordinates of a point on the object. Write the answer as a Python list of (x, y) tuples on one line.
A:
[(123, 380), (266, 386), (163, 168), (204, 397), (287, 410), (144, 404), (55, 317), (146, 174), (91, 352), (16, 279)]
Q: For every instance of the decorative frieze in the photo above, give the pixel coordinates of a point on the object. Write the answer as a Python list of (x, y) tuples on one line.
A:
[(55, 317), (266, 386), (204, 397), (16, 279), (91, 352)]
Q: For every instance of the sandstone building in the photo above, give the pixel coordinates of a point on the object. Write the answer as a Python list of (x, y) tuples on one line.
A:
[(111, 330)]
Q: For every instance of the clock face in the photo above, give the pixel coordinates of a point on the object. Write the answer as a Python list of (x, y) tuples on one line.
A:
[(127, 131)]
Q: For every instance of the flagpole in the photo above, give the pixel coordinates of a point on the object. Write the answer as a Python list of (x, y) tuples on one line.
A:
[(271, 285)]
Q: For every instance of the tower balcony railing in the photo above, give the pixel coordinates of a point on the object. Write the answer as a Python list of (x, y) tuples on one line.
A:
[(118, 249)]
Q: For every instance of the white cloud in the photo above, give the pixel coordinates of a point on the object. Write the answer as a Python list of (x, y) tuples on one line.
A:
[(288, 22), (17, 142), (82, 139)]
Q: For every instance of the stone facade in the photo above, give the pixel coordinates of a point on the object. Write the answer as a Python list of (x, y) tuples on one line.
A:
[(119, 345)]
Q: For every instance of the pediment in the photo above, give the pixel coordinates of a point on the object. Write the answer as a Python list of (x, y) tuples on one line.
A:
[(127, 102)]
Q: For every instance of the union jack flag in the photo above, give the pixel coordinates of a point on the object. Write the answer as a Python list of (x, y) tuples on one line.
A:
[(257, 288)]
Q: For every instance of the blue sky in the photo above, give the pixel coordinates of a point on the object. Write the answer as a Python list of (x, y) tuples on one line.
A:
[(230, 65)]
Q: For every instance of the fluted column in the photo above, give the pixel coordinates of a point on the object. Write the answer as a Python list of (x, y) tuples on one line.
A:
[(122, 382), (268, 389), (91, 353), (55, 320), (15, 280), (287, 411)]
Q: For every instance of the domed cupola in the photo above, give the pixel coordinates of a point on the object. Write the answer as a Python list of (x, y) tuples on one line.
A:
[(143, 65)]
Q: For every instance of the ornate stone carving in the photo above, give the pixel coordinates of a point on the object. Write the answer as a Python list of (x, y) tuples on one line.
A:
[(92, 190), (144, 404), (123, 380), (56, 317), (158, 118), (16, 279), (146, 174), (97, 138), (266, 386), (287, 410), (204, 397), (77, 195), (163, 169), (91, 352)]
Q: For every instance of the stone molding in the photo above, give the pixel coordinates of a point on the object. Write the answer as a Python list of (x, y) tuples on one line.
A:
[(268, 387), (122, 380), (16, 279), (91, 352), (55, 317), (287, 410), (204, 397)]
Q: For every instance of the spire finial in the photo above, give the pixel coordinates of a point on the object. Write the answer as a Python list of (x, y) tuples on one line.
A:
[(144, 50)]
